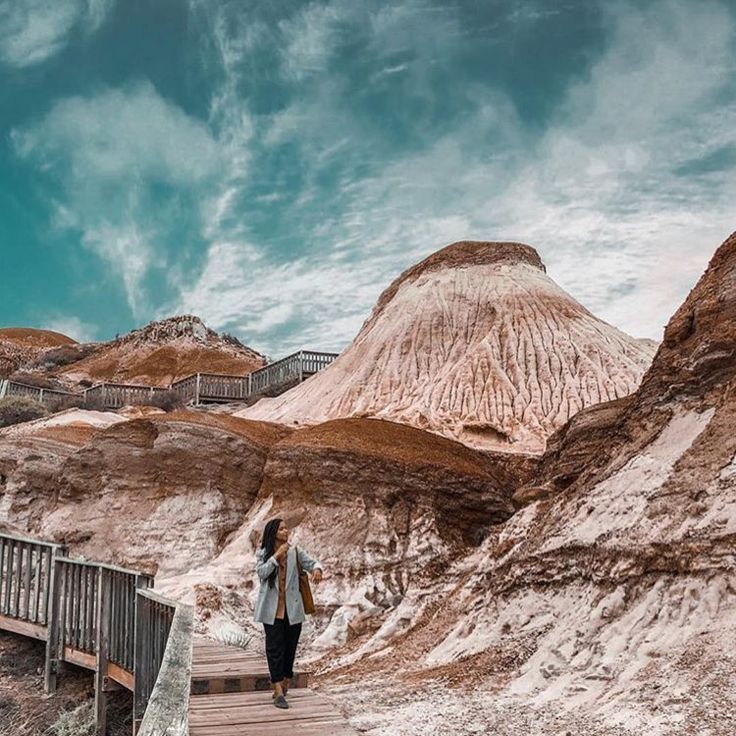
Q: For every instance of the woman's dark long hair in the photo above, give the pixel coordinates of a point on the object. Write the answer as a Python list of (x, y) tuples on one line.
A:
[(269, 545)]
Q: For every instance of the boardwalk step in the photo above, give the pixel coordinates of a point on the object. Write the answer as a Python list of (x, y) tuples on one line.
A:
[(223, 668), (253, 714)]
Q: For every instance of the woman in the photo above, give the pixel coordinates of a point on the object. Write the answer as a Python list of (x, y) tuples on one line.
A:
[(279, 607)]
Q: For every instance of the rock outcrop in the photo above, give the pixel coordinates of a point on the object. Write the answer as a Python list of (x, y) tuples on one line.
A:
[(616, 592), (163, 352), (478, 344), (386, 508), (20, 346)]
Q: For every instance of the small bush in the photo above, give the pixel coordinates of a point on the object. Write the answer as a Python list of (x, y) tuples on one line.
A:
[(64, 355), (17, 409), (167, 400), (60, 403), (227, 337), (77, 722)]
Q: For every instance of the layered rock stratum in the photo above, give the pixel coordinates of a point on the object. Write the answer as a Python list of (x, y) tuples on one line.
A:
[(476, 343)]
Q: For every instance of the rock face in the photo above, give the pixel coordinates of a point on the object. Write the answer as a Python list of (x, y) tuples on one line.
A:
[(159, 491), (384, 506), (155, 355), (617, 592), (478, 344), (19, 346), (163, 352)]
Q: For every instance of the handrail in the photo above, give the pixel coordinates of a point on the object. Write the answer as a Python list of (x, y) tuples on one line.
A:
[(167, 712), (304, 362), (101, 616)]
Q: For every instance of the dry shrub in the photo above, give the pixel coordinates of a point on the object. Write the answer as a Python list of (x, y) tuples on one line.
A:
[(17, 409), (167, 400), (77, 722)]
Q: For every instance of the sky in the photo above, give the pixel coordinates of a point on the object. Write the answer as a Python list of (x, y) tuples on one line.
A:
[(272, 166)]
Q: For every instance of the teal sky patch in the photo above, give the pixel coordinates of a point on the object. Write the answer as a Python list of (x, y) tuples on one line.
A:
[(272, 167)]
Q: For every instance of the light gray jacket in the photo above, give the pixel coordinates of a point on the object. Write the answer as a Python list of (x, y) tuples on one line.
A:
[(268, 598)]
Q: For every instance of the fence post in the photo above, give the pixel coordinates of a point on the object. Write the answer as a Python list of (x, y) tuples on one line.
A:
[(40, 396), (196, 394), (140, 673), (102, 645), (54, 633)]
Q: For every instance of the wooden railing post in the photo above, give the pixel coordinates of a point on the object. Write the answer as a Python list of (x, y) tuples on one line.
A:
[(197, 389), (139, 664), (102, 645), (54, 621)]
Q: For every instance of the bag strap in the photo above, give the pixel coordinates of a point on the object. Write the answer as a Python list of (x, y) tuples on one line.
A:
[(298, 564)]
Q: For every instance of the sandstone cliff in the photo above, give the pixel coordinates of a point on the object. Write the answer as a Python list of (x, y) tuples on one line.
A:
[(476, 343), (616, 593)]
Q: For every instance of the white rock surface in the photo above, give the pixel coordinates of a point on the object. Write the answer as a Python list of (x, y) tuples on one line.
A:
[(478, 344)]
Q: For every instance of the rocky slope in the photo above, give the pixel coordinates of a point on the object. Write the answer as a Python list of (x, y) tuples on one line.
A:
[(615, 596), (159, 490), (155, 355), (163, 352), (185, 495), (21, 346), (476, 343), (386, 507)]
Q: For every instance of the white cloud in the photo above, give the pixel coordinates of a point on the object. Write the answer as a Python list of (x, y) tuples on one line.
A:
[(106, 152), (32, 31), (310, 37), (597, 193), (129, 132), (71, 327)]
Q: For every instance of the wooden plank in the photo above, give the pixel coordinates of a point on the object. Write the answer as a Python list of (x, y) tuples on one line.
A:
[(39, 583), (8, 577), (27, 583), (117, 673), (48, 574), (3, 582), (26, 628), (55, 623), (102, 645), (326, 727), (16, 577), (80, 658)]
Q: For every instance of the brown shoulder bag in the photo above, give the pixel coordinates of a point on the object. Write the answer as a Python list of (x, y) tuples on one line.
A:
[(304, 587)]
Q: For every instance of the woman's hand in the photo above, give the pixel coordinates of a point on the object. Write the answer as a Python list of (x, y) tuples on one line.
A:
[(280, 553), (317, 575)]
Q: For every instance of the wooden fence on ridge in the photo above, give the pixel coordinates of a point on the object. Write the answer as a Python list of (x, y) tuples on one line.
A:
[(196, 389)]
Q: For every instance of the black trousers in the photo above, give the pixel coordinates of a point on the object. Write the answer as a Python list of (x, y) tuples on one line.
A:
[(281, 641)]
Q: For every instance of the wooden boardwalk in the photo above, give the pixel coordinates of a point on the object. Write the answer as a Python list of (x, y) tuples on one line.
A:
[(231, 696), (107, 619)]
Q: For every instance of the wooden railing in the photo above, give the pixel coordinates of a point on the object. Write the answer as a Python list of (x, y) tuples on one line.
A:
[(291, 368), (203, 387), (47, 396), (115, 395), (93, 615), (26, 567), (197, 388), (154, 617)]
